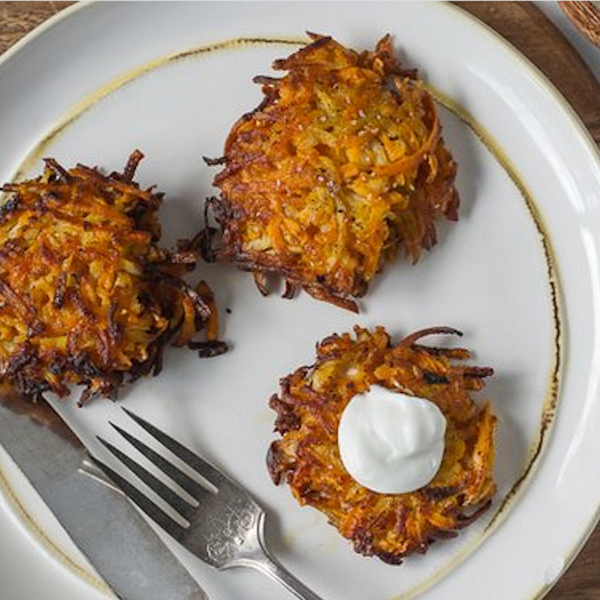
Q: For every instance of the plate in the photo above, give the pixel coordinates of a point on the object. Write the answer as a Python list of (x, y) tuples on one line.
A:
[(518, 274)]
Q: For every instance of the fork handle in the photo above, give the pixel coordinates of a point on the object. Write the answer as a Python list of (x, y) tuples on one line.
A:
[(275, 570), (258, 557)]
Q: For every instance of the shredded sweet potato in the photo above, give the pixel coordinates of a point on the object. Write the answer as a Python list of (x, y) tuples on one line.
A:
[(309, 408), (86, 294), (341, 165)]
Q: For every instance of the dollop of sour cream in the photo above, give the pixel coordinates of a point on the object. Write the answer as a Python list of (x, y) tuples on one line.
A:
[(391, 442)]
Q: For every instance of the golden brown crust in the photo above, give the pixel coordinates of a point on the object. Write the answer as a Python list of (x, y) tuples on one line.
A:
[(86, 295), (309, 407), (341, 165)]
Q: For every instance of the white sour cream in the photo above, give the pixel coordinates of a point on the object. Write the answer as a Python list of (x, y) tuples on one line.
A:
[(390, 442)]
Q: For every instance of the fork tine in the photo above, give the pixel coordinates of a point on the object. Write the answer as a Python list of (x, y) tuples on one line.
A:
[(172, 498), (205, 469), (175, 473), (161, 518)]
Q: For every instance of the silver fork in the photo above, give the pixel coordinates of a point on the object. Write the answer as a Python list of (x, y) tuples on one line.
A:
[(224, 525)]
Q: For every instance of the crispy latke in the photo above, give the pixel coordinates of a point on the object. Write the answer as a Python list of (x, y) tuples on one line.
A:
[(309, 407), (86, 295), (341, 165)]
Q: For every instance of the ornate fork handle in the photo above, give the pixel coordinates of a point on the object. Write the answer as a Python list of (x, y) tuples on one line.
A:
[(222, 524), (256, 556), (269, 566)]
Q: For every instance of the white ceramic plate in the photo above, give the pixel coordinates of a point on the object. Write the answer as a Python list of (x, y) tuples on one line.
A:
[(518, 274)]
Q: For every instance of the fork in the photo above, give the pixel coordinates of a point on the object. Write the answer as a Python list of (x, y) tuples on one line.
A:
[(223, 524)]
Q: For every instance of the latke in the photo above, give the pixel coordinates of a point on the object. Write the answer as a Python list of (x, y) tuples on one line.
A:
[(87, 296), (340, 166), (309, 408)]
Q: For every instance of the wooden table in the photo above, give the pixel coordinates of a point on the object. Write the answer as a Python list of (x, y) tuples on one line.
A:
[(529, 30)]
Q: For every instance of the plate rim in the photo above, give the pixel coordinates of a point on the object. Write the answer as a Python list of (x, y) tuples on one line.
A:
[(542, 81)]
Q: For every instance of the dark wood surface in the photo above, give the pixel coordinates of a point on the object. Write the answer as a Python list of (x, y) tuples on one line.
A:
[(536, 37)]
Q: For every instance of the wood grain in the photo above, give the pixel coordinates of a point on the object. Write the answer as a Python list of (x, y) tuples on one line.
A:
[(19, 18), (524, 26), (537, 38), (585, 16)]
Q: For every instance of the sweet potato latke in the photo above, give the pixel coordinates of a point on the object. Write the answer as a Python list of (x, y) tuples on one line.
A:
[(309, 407), (341, 164), (86, 295)]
